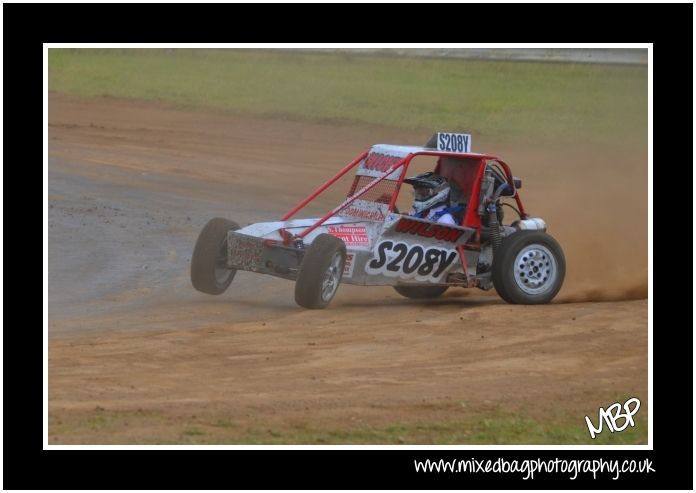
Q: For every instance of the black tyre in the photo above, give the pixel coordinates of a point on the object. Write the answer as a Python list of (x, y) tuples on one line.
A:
[(528, 268), (209, 272), (420, 292), (320, 272)]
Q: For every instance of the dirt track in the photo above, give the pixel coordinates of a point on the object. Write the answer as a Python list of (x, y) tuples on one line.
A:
[(130, 186)]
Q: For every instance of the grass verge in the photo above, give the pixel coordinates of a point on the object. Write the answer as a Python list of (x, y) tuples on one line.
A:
[(541, 102), (492, 427)]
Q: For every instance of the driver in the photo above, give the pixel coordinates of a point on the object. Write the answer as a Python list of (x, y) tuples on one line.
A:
[(431, 195)]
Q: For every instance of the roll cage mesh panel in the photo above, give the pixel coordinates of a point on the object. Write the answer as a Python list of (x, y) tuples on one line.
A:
[(381, 193)]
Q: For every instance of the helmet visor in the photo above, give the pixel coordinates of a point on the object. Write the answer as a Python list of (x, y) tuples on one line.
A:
[(421, 193)]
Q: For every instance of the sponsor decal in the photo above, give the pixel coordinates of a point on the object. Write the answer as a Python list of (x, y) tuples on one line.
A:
[(453, 142), (395, 259), (380, 162), (428, 230), (349, 265), (351, 235), (372, 215)]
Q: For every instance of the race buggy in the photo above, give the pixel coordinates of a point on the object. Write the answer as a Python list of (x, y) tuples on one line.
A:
[(366, 241)]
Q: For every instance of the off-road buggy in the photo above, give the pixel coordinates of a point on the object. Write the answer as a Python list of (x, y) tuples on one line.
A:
[(365, 240)]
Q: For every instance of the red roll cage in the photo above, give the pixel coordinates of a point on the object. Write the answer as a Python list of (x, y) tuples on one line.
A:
[(448, 165)]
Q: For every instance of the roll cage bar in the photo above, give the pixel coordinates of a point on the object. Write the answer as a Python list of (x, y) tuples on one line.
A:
[(471, 218)]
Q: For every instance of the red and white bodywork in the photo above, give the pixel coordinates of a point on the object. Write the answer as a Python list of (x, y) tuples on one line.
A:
[(385, 247), (365, 240)]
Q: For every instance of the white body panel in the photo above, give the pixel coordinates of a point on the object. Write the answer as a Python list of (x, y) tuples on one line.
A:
[(399, 250)]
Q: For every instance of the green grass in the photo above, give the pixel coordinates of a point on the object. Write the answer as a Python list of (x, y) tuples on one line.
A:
[(494, 427), (500, 100)]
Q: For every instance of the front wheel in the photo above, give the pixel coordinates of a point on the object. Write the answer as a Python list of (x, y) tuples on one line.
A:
[(528, 268), (320, 272), (209, 271)]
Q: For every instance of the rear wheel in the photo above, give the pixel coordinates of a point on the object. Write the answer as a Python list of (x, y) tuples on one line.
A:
[(209, 271), (320, 272), (420, 292), (528, 268)]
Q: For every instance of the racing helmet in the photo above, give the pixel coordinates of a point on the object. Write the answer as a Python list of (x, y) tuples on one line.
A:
[(429, 190)]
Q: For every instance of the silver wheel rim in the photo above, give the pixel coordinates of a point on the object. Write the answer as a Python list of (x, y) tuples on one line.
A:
[(535, 269), (332, 277)]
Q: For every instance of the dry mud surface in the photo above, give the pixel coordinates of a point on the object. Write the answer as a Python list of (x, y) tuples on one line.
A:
[(131, 184)]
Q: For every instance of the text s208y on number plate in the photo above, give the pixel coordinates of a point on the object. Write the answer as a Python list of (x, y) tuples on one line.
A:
[(453, 142)]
